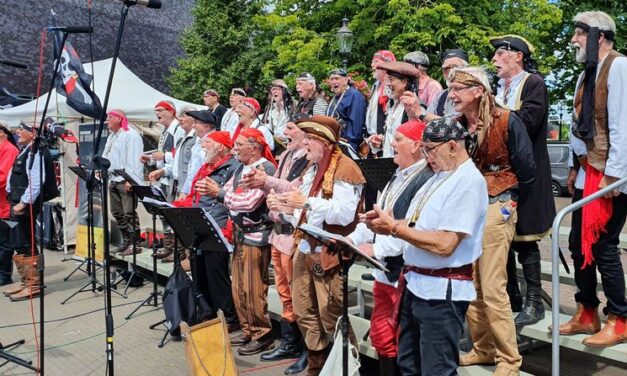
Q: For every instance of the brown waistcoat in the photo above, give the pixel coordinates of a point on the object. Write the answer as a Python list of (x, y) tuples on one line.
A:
[(492, 157), (598, 147)]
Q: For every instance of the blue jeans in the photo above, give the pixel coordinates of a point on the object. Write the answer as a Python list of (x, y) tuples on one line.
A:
[(429, 332)]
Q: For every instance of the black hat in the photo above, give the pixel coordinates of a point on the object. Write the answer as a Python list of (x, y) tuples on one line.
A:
[(454, 52), (204, 116), (444, 129), (512, 43), (27, 127), (338, 72), (306, 76)]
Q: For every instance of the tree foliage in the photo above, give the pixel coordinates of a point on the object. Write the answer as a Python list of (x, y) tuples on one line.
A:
[(249, 43)]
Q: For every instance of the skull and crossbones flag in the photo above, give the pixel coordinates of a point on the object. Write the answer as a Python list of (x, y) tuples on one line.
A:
[(72, 81)]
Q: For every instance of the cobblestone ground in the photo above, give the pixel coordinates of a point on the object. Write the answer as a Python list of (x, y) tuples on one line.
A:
[(75, 341)]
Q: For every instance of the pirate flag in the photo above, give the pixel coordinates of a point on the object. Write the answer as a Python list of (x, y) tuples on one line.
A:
[(72, 82)]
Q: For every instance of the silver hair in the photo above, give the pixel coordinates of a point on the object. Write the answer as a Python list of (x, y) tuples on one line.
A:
[(596, 18), (186, 109), (477, 72)]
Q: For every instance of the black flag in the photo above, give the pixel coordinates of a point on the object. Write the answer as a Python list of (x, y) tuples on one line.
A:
[(72, 81)]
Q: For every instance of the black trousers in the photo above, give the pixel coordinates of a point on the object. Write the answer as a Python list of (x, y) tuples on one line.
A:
[(606, 259), (6, 253), (428, 334), (22, 236), (212, 272)]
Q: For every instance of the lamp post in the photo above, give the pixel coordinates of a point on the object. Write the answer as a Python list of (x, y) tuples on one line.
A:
[(560, 108), (345, 39)]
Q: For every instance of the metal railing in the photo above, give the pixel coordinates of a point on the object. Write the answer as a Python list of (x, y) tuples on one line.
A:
[(555, 273)]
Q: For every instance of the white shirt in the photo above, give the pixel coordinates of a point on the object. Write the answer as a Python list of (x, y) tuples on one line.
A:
[(509, 101), (195, 162), (277, 120), (338, 210), (392, 122), (32, 191), (373, 109), (457, 204), (387, 246), (229, 121), (172, 169), (616, 164), (123, 149)]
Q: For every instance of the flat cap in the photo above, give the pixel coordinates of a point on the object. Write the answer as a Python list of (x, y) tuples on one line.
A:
[(322, 126), (444, 129), (204, 116), (417, 58), (399, 68), (512, 43)]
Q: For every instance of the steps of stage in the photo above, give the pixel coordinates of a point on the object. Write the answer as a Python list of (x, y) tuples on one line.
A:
[(360, 327), (144, 261)]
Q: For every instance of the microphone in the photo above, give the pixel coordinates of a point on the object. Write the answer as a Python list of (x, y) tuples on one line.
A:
[(73, 29), (154, 4), (14, 64)]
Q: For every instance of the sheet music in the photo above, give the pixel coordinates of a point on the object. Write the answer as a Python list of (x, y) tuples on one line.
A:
[(324, 236), (161, 204), (218, 230)]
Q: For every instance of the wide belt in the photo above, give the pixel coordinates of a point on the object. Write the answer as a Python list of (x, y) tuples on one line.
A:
[(253, 228)]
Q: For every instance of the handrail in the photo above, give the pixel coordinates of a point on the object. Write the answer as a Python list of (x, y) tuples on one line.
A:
[(555, 263)]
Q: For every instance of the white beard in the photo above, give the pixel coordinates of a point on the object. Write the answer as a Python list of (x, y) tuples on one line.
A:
[(580, 54)]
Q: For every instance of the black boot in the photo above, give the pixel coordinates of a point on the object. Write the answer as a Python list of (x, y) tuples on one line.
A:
[(126, 241), (533, 310), (513, 290), (300, 365), (289, 345), (6, 266), (388, 366)]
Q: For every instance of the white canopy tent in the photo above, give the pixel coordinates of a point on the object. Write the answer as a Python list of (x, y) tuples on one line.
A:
[(128, 92)]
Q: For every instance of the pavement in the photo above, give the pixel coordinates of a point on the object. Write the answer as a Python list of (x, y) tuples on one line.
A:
[(74, 339)]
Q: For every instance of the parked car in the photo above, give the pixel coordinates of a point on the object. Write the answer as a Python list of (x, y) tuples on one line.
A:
[(558, 157)]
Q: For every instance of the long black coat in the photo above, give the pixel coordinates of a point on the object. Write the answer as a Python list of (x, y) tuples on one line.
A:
[(536, 210)]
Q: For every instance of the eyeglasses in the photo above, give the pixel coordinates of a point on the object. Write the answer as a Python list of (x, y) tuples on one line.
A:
[(453, 89), (426, 151)]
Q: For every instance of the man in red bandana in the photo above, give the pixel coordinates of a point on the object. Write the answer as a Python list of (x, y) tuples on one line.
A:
[(212, 268), (248, 112), (411, 174), (600, 143), (251, 258)]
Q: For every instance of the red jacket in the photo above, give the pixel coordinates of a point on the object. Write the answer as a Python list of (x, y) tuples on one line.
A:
[(8, 153)]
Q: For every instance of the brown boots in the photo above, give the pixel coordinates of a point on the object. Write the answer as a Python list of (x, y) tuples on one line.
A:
[(28, 268), (168, 246), (19, 285), (585, 321), (614, 332), (316, 361)]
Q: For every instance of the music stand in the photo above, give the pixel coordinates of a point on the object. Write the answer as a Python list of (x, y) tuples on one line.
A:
[(153, 200), (196, 229), (90, 259), (377, 171), (343, 247), (134, 184), (83, 174)]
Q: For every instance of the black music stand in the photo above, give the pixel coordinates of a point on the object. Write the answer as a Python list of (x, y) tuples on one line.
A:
[(196, 229), (134, 184), (377, 171), (82, 173), (347, 253), (153, 200)]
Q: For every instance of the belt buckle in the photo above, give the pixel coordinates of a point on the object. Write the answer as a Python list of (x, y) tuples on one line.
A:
[(316, 269)]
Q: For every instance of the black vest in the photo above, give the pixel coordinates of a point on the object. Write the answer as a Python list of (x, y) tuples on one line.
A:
[(19, 177), (259, 215), (395, 263)]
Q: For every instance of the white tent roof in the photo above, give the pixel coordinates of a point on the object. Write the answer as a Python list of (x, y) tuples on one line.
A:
[(128, 93)]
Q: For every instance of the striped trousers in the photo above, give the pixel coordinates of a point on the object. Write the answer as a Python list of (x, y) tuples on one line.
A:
[(250, 289)]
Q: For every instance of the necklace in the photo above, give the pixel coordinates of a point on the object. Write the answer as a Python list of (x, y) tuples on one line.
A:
[(390, 199), (424, 198)]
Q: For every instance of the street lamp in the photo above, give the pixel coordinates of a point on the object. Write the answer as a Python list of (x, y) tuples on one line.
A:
[(560, 108), (345, 39)]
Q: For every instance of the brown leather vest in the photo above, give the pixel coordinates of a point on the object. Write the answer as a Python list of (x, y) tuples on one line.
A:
[(492, 157), (599, 146)]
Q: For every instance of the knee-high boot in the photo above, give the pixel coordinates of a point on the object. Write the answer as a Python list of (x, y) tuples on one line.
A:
[(513, 290), (533, 310), (19, 285)]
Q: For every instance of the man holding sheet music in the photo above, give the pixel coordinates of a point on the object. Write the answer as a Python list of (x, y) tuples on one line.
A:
[(411, 174), (329, 198), (123, 149)]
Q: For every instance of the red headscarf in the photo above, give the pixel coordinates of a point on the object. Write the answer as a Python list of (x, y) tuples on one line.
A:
[(168, 106), (384, 55), (253, 104), (222, 137), (261, 140), (121, 116), (412, 129)]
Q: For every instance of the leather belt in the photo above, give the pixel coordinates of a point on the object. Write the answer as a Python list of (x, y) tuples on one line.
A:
[(253, 228), (283, 228), (462, 273), (504, 197)]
